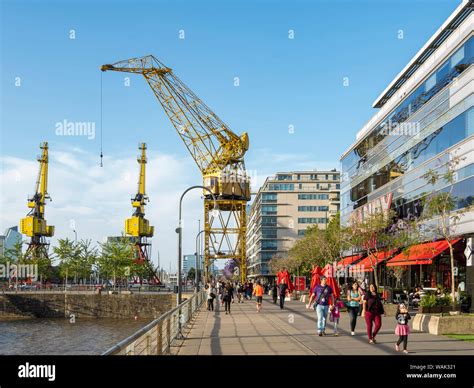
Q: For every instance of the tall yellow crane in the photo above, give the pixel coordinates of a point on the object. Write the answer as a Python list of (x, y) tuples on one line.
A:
[(218, 152), (138, 226), (34, 225)]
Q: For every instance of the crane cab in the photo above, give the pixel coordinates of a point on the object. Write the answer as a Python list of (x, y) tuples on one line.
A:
[(227, 185)]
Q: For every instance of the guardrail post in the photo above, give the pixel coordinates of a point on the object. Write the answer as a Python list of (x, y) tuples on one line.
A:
[(159, 339), (168, 336)]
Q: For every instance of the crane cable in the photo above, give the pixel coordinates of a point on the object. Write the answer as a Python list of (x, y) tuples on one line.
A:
[(101, 154)]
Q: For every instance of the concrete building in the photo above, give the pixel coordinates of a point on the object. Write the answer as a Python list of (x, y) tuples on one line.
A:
[(9, 239), (425, 118), (284, 207), (189, 261)]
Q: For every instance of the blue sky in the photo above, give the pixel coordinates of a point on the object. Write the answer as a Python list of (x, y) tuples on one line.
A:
[(283, 81)]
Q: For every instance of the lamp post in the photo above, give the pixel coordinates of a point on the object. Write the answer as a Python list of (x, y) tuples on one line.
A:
[(198, 249), (179, 230)]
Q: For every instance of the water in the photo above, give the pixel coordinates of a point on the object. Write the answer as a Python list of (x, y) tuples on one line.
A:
[(58, 336)]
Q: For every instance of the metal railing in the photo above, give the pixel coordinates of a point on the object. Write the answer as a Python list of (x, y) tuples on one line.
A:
[(156, 337)]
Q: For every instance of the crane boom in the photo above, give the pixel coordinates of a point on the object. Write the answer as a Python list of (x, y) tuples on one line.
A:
[(211, 143)]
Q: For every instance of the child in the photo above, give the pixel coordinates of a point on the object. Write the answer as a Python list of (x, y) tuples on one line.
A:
[(402, 330), (258, 292), (336, 313)]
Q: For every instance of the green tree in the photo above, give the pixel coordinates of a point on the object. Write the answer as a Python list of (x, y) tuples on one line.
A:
[(67, 253), (116, 260), (442, 211)]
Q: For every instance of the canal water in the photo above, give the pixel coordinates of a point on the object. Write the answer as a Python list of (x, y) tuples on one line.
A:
[(57, 336)]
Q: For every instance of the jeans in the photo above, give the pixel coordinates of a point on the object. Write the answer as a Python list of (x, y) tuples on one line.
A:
[(282, 300), (353, 313), (336, 323), (322, 313), (210, 304), (376, 319)]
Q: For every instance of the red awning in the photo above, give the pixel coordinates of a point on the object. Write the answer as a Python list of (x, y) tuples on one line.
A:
[(420, 254), (366, 264), (348, 260)]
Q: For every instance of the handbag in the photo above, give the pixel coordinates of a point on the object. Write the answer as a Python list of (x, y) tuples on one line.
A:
[(212, 295)]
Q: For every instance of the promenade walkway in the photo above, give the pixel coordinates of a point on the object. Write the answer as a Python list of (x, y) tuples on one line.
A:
[(292, 331)]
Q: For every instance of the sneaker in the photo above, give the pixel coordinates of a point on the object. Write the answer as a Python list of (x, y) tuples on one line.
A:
[(336, 334), (374, 340), (320, 334), (405, 351), (397, 348), (371, 341), (352, 333)]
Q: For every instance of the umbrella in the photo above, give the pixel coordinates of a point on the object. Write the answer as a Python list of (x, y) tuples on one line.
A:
[(331, 280), (315, 275), (286, 276)]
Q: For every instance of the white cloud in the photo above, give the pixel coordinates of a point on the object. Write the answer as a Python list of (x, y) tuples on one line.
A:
[(98, 199)]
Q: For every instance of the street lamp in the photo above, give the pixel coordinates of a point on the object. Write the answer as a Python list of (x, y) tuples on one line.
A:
[(179, 230), (197, 258), (75, 235)]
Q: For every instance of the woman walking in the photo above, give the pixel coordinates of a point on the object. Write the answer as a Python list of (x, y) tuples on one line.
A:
[(402, 330), (354, 297), (372, 310), (228, 297), (211, 295)]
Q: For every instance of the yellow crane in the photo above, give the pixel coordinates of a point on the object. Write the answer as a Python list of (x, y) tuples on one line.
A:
[(218, 152), (34, 225), (138, 226)]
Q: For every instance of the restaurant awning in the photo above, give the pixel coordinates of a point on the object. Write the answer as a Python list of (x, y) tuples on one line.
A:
[(366, 264), (420, 254), (348, 260)]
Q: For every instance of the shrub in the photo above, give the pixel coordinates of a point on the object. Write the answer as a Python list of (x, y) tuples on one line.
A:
[(443, 301), (428, 301)]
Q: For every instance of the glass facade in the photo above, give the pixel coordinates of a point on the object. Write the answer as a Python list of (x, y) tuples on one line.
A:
[(453, 132), (450, 69)]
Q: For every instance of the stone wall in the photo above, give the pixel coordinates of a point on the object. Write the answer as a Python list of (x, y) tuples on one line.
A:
[(84, 305)]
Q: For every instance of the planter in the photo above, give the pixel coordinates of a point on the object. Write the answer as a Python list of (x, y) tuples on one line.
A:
[(438, 309), (449, 324)]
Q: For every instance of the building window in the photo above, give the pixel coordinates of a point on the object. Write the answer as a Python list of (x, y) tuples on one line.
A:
[(313, 196), (269, 245), (335, 177), (311, 220), (269, 233), (269, 197), (302, 232), (284, 177), (281, 186), (313, 208), (269, 210), (269, 221)]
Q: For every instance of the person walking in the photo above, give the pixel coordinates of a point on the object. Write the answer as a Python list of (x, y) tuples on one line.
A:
[(258, 292), (274, 293), (372, 310), (250, 290), (228, 297), (211, 295), (323, 296), (240, 293), (282, 291), (354, 297), (402, 330), (336, 314)]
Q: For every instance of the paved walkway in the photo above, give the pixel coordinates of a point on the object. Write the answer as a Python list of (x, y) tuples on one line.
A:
[(292, 331)]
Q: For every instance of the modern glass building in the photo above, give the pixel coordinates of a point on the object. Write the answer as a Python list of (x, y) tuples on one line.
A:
[(425, 118), (284, 207)]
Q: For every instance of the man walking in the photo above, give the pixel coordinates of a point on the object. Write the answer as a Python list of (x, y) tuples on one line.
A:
[(283, 287), (324, 300), (258, 292)]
